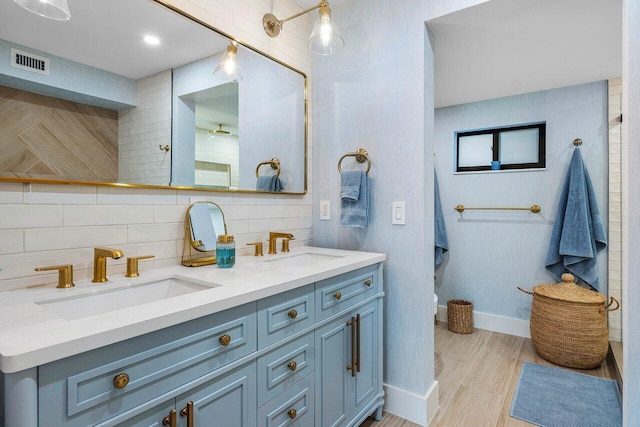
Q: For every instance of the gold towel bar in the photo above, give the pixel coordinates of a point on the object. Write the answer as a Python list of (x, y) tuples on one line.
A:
[(361, 156), (274, 163), (533, 209)]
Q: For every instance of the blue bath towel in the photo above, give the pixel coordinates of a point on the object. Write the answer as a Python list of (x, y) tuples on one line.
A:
[(355, 213), (350, 185), (578, 233), (440, 232), (269, 183)]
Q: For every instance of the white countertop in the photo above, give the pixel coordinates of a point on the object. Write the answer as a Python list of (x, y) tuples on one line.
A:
[(32, 335)]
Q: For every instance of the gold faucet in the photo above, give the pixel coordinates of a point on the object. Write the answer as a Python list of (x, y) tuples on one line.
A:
[(273, 236), (100, 256)]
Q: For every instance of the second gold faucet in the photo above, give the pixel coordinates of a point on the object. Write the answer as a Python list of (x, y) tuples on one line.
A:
[(273, 236), (100, 256)]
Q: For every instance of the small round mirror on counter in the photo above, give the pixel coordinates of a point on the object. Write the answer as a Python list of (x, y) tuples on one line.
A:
[(204, 222)]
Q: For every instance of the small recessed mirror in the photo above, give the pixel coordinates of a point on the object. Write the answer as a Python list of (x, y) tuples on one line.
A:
[(204, 222)]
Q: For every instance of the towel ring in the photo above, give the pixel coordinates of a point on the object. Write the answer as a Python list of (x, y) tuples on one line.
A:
[(274, 163), (361, 156)]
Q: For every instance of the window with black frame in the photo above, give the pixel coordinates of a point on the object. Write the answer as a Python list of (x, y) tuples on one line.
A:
[(503, 148)]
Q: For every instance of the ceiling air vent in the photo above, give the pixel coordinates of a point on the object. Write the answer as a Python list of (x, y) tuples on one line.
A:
[(29, 61)]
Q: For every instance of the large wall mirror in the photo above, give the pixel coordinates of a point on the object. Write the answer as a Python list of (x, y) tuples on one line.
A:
[(90, 101)]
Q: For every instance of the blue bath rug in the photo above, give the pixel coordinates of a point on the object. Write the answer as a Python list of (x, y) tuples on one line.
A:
[(554, 397)]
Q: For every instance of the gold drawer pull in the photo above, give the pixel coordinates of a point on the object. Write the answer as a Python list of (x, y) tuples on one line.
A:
[(171, 420), (293, 314), (337, 295), (120, 381), (292, 413), (292, 366), (225, 340), (367, 282)]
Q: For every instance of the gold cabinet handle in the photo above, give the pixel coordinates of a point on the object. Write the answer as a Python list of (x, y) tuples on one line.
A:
[(225, 340), (293, 314), (292, 366), (292, 413), (337, 295), (187, 411), (358, 342), (352, 367), (367, 282), (171, 420), (121, 380)]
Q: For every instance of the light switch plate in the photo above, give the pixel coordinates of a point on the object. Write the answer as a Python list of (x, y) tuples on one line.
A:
[(325, 210), (398, 213)]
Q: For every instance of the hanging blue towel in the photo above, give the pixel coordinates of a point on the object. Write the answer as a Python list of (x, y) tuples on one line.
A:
[(350, 185), (578, 233), (355, 213), (440, 232), (269, 183)]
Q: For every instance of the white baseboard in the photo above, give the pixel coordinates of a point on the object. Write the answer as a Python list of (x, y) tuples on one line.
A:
[(493, 322), (415, 408)]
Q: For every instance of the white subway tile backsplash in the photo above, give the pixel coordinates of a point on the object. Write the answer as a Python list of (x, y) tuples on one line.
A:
[(60, 194), (28, 216), (135, 196), (11, 192), (107, 215), (46, 239), (140, 233), (11, 241)]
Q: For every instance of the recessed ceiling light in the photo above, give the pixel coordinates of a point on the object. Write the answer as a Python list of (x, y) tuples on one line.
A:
[(152, 40)]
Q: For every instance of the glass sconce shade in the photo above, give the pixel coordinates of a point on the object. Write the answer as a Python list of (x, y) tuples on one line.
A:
[(52, 9), (325, 37), (228, 69)]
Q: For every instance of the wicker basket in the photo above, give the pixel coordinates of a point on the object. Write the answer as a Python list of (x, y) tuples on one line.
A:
[(569, 324), (460, 316)]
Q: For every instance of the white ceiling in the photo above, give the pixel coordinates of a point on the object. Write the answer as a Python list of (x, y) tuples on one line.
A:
[(507, 47), (108, 34)]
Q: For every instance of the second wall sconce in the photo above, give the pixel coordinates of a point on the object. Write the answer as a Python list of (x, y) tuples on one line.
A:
[(228, 69), (325, 38)]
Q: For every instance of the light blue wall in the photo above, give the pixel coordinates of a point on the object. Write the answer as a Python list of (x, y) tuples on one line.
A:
[(69, 80), (631, 207), (492, 252), (372, 95)]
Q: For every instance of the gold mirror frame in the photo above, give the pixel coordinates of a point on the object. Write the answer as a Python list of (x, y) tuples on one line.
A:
[(173, 8), (197, 259)]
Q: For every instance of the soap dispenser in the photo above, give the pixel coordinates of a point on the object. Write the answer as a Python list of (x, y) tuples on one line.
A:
[(225, 251)]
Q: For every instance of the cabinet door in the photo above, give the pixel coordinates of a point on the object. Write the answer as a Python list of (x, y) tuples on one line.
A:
[(366, 382), (332, 377), (227, 401), (151, 418)]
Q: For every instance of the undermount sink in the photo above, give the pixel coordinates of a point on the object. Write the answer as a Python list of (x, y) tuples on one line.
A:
[(302, 260), (107, 299)]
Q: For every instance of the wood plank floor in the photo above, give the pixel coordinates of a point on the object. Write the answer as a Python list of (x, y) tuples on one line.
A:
[(477, 376)]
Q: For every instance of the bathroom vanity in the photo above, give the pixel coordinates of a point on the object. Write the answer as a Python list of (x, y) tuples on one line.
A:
[(293, 338)]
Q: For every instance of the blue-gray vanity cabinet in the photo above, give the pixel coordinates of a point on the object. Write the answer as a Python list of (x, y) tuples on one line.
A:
[(83, 390), (349, 350), (292, 408), (226, 401), (283, 315)]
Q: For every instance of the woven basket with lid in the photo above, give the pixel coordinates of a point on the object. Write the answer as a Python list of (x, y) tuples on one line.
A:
[(569, 324)]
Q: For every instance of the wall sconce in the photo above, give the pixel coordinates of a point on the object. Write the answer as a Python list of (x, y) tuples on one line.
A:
[(228, 69), (325, 38), (52, 9)]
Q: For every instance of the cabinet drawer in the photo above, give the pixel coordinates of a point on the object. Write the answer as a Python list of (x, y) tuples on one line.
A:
[(154, 363), (342, 292), (280, 410), (285, 314), (281, 368)]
